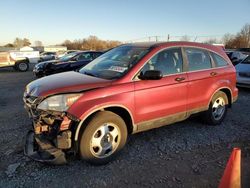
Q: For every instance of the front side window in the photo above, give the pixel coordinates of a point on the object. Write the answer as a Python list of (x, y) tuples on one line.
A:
[(67, 57), (219, 61), (198, 59), (115, 63), (168, 61)]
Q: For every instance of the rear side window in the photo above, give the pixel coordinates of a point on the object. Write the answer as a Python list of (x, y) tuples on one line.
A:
[(84, 57), (198, 59), (219, 61), (95, 55)]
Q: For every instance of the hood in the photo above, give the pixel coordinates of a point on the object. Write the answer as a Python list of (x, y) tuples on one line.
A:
[(42, 64), (64, 83), (241, 67)]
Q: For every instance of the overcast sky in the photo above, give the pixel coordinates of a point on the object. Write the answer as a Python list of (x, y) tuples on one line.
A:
[(54, 21)]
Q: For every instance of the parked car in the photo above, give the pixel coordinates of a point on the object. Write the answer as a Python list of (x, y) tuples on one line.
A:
[(243, 73), (46, 56), (236, 56), (17, 62), (72, 61), (245, 51), (129, 89), (61, 54)]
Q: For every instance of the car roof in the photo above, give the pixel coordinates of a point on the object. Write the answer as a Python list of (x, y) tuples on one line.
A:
[(172, 43), (210, 47), (78, 52)]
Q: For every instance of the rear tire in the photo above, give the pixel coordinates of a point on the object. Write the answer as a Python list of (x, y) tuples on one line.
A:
[(217, 109), (103, 138), (22, 66)]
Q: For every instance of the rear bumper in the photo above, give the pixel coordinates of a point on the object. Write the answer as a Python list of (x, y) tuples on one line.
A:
[(243, 81), (42, 150), (246, 85)]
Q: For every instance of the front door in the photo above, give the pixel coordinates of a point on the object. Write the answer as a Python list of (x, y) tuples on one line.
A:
[(156, 100)]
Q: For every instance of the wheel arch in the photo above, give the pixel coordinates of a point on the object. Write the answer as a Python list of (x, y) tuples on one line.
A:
[(227, 91), (25, 59), (120, 110)]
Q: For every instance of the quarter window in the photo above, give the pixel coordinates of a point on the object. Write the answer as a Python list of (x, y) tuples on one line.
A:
[(198, 59), (167, 61), (219, 61)]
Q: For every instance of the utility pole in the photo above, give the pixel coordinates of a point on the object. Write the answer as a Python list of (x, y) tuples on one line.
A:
[(156, 38)]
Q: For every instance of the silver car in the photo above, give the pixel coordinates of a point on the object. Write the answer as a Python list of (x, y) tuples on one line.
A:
[(243, 73)]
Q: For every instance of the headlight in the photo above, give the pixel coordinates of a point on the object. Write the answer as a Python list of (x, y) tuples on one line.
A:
[(58, 102)]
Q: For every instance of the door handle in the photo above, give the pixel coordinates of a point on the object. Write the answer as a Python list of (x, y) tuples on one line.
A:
[(179, 79), (213, 73)]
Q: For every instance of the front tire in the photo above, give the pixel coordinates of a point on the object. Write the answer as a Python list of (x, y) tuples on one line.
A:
[(103, 138), (22, 66), (217, 109)]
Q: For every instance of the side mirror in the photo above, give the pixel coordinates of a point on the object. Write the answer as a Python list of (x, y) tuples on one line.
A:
[(151, 75)]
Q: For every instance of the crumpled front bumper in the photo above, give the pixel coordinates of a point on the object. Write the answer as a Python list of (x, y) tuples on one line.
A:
[(42, 150)]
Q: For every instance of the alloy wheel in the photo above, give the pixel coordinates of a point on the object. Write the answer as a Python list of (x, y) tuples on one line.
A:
[(218, 108), (105, 140)]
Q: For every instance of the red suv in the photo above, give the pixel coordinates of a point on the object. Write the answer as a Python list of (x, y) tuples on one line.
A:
[(129, 89)]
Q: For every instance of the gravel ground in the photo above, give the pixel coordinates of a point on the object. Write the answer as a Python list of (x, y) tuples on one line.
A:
[(187, 154)]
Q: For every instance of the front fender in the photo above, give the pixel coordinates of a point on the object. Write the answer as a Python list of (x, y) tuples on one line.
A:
[(99, 99)]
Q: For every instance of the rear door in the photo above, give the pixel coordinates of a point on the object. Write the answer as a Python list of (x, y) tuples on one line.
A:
[(155, 99), (201, 78)]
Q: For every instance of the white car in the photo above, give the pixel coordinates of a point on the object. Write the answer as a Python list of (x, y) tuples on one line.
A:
[(17, 60), (243, 73)]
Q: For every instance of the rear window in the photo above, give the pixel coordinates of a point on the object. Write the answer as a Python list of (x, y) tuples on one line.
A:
[(219, 61), (198, 59)]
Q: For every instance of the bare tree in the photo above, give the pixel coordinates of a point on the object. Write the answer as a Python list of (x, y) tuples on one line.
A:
[(240, 40), (9, 45), (211, 41), (18, 42), (227, 38), (90, 43), (26, 42), (38, 43), (245, 36)]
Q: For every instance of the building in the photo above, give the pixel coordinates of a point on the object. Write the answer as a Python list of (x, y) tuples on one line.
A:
[(55, 48), (26, 49)]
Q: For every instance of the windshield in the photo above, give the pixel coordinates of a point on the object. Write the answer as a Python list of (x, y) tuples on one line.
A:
[(115, 63), (67, 57), (246, 61)]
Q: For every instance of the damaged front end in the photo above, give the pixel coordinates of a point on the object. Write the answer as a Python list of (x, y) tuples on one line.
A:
[(51, 134)]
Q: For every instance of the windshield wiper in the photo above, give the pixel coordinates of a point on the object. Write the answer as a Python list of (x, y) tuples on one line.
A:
[(90, 74)]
